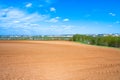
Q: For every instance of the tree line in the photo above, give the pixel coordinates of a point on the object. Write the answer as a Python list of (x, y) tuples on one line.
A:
[(33, 38), (111, 41)]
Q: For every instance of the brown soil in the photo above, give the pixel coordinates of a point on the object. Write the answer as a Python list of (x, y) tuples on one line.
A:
[(57, 60)]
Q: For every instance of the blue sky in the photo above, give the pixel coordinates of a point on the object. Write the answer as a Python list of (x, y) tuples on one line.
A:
[(43, 17)]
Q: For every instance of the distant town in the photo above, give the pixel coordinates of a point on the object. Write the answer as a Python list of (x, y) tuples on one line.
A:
[(111, 40), (48, 37)]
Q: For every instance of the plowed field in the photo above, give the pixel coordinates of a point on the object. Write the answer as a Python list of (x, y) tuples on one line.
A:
[(57, 60)]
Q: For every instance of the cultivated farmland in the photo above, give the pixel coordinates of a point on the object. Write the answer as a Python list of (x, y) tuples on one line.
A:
[(57, 60)]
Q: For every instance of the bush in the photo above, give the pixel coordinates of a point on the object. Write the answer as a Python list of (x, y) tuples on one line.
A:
[(112, 41)]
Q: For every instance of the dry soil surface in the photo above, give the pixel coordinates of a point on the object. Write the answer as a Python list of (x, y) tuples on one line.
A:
[(57, 60)]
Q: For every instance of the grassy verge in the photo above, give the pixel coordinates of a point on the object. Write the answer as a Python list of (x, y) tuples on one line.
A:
[(96, 45)]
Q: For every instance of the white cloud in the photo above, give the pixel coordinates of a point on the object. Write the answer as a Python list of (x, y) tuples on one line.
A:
[(61, 29), (112, 14), (66, 19), (20, 16), (53, 20), (28, 5), (15, 21), (52, 9)]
